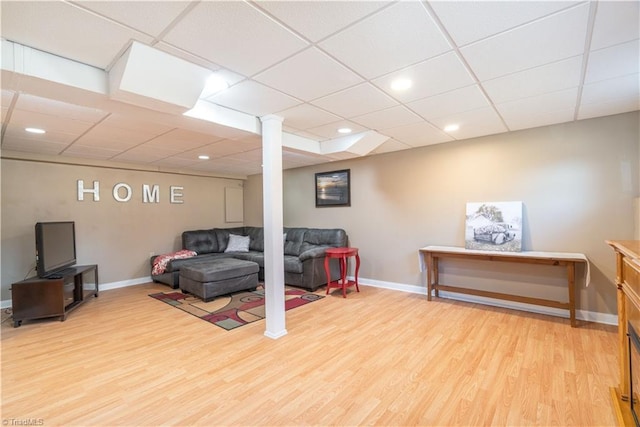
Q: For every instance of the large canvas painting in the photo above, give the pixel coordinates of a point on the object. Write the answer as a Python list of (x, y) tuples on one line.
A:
[(494, 226)]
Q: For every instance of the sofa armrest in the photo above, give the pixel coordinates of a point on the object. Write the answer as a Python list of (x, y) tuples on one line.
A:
[(317, 252)]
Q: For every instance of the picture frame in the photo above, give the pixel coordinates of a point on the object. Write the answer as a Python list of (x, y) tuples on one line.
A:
[(333, 188), (494, 226)]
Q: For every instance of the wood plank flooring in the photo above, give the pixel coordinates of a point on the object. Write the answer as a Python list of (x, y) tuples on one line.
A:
[(378, 357)]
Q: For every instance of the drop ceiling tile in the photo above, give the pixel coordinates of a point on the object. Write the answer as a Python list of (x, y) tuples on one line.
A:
[(219, 149), (316, 20), (430, 77), (150, 17), (356, 101), (251, 156), (253, 98), (616, 22), (174, 162), (60, 109), (235, 35), (90, 152), (468, 21), (305, 116), (528, 46), (330, 131), (308, 75), (535, 81), (615, 61), (143, 154), (394, 38), (588, 111), (418, 134), (113, 138), (74, 33), (515, 112), (446, 104), (474, 123), (391, 145), (291, 159), (226, 164), (389, 118), (49, 123), (541, 118), (621, 89), (31, 145), (136, 124), (181, 139), (303, 134), (15, 130)]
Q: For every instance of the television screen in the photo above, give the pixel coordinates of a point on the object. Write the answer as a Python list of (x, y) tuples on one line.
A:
[(55, 246)]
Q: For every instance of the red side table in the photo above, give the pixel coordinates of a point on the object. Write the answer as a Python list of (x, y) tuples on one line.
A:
[(341, 254)]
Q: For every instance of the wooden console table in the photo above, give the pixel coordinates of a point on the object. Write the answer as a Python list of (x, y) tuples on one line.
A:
[(628, 290), (431, 255)]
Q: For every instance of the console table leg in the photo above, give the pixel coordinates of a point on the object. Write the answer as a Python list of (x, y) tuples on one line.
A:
[(436, 278), (429, 273), (571, 276)]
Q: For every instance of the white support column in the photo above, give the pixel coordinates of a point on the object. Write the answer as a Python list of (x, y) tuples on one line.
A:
[(273, 228)]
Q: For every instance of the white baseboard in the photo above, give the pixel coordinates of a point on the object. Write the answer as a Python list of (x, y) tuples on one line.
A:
[(103, 287), (125, 283), (590, 316)]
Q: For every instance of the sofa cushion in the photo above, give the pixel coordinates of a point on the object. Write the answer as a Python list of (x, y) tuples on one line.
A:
[(293, 240), (200, 241), (256, 238), (237, 243), (333, 237), (292, 264)]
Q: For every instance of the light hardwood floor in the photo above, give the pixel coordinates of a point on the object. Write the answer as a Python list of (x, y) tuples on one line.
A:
[(376, 358)]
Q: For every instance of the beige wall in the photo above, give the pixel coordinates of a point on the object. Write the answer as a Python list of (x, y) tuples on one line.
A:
[(118, 236), (577, 181)]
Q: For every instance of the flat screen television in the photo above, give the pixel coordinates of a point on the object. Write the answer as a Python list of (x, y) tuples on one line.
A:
[(55, 246)]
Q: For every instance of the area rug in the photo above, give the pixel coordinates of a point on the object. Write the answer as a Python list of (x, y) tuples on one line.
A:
[(235, 310)]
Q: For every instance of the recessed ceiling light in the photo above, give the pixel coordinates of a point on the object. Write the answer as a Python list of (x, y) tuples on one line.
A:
[(34, 130), (401, 84), (451, 128), (203, 157), (344, 130)]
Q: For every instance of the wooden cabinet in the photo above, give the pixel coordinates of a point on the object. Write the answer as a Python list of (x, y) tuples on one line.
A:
[(628, 288), (37, 298)]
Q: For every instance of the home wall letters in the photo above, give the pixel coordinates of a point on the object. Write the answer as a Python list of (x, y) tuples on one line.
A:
[(122, 192)]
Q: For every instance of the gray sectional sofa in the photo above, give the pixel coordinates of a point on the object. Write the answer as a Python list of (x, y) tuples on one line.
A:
[(304, 250)]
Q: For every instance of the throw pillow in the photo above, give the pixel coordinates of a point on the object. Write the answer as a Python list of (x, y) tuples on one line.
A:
[(238, 243)]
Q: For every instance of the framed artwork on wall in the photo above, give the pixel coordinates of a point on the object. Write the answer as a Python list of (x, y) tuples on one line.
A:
[(333, 188), (494, 226)]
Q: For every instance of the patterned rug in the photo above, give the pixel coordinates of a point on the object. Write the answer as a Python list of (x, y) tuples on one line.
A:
[(235, 310)]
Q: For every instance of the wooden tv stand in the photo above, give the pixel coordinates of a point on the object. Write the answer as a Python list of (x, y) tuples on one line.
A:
[(37, 298)]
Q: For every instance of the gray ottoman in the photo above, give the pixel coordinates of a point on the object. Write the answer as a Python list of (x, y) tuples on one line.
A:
[(218, 277)]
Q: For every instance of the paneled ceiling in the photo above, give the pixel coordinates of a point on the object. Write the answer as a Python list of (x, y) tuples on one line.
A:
[(487, 67)]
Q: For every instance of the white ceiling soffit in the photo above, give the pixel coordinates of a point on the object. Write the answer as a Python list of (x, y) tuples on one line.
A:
[(150, 78), (359, 144), (146, 77)]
